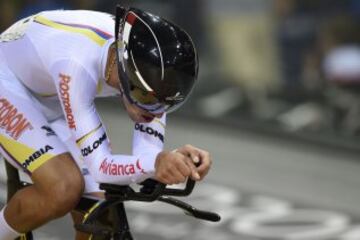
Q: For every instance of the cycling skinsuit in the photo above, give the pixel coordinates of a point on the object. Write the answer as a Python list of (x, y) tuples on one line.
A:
[(52, 66)]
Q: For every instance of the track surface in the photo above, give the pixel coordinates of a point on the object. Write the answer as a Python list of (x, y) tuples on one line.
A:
[(264, 188)]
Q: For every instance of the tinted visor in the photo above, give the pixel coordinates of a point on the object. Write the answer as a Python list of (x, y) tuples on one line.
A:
[(134, 86), (135, 92)]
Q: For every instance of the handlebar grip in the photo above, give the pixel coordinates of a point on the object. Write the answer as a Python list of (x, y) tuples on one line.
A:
[(190, 184), (190, 210), (205, 215)]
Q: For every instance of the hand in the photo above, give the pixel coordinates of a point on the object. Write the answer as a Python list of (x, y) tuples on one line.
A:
[(172, 167), (201, 160)]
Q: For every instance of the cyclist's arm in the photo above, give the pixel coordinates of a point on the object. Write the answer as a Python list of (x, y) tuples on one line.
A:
[(77, 90), (148, 140)]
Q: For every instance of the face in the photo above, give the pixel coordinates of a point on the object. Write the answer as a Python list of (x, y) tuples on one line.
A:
[(137, 114)]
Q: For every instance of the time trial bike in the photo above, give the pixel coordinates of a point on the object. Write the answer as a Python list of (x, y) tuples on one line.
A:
[(106, 219)]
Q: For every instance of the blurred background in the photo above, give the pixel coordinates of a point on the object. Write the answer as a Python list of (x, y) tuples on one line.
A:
[(279, 86), (279, 65)]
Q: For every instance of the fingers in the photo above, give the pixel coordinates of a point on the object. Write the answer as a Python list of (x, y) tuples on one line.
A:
[(172, 178), (171, 168), (192, 160), (176, 166), (191, 152), (205, 165), (181, 170), (201, 159), (194, 172), (177, 177)]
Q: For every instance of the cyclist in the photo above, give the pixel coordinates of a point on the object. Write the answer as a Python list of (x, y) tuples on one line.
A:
[(52, 66)]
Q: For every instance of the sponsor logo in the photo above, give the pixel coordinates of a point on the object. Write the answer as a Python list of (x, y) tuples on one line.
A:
[(150, 131), (65, 97), (36, 155), (14, 123), (89, 149), (85, 171), (49, 131), (139, 167), (111, 168)]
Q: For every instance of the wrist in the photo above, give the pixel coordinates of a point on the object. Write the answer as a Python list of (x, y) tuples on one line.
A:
[(148, 163)]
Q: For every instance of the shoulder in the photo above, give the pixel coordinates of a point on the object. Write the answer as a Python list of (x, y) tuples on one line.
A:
[(82, 18), (76, 31)]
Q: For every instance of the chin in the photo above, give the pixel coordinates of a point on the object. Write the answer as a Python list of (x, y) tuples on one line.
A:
[(140, 118)]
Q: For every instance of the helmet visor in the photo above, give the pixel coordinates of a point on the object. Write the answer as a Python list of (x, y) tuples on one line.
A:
[(138, 95), (133, 85)]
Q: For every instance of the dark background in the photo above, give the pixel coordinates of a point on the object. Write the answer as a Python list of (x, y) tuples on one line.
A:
[(289, 67)]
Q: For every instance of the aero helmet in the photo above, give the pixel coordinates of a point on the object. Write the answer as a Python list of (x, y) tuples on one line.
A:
[(157, 60)]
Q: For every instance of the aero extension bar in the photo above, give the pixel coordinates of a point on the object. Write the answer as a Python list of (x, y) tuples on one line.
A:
[(151, 191)]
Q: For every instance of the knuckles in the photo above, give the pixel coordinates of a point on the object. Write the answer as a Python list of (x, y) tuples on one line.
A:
[(189, 146), (175, 161)]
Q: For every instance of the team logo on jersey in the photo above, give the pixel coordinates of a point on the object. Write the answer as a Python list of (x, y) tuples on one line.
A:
[(150, 131), (85, 171), (89, 149), (12, 121), (111, 168), (36, 155), (65, 97)]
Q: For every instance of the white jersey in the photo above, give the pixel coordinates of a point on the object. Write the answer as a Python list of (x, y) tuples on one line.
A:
[(60, 58)]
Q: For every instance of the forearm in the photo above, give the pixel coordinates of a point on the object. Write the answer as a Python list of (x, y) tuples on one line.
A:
[(122, 169)]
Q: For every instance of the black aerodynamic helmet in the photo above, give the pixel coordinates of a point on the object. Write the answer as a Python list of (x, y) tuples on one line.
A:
[(157, 60)]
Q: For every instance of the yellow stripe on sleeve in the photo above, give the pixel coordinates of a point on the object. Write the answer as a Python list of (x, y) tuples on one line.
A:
[(99, 87), (47, 94), (86, 136), (159, 122), (86, 32)]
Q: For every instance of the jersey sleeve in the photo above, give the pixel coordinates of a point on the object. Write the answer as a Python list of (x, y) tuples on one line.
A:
[(149, 138), (77, 90)]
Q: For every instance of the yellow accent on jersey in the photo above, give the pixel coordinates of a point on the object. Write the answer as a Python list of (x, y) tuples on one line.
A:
[(86, 32), (99, 87), (159, 122), (47, 94), (86, 136), (21, 153)]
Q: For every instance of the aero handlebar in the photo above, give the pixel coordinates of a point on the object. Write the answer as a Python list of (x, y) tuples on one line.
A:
[(151, 191)]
